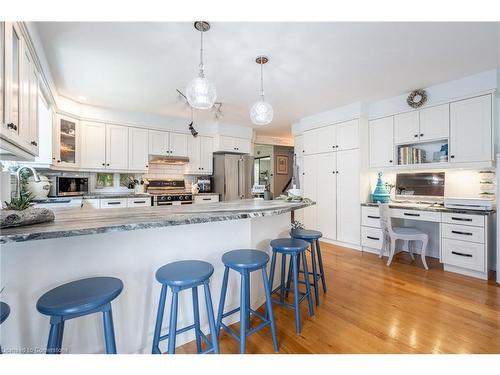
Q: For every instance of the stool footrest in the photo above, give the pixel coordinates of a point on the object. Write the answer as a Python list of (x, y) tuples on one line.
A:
[(182, 330)]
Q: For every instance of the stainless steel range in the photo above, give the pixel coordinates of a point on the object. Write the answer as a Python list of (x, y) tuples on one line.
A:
[(169, 192)]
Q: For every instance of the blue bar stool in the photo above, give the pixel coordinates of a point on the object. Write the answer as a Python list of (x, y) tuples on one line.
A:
[(312, 236), (186, 274), (296, 249), (4, 314), (246, 261), (79, 298)]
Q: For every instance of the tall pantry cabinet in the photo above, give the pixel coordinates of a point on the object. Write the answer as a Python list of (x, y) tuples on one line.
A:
[(331, 178)]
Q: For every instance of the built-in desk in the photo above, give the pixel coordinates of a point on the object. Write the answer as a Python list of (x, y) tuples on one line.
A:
[(463, 240)]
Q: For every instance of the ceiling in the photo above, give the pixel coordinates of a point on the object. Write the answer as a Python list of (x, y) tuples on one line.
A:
[(313, 67)]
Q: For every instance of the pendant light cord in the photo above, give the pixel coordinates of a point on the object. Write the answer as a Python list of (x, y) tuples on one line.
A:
[(262, 80), (202, 74)]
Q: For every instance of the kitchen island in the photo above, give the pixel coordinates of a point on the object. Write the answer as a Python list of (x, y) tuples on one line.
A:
[(130, 244)]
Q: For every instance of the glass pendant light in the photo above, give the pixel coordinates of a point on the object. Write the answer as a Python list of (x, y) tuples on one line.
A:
[(200, 92), (261, 112)]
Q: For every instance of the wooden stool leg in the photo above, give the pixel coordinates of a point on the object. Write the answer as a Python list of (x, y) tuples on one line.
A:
[(296, 296), (315, 274), (172, 329), (320, 262), (243, 310), (269, 308), (222, 299), (196, 315), (308, 286), (159, 320), (211, 318), (109, 333)]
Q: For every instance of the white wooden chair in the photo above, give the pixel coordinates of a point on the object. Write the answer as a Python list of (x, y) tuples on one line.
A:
[(391, 234)]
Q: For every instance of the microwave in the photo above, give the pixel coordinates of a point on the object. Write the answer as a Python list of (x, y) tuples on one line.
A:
[(70, 186)]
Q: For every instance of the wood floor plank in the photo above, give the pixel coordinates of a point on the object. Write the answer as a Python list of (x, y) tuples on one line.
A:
[(372, 308)]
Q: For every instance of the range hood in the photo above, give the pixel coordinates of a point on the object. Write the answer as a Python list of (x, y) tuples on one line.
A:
[(168, 160)]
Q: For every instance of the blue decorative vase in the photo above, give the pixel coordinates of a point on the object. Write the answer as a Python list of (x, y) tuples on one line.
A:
[(380, 194)]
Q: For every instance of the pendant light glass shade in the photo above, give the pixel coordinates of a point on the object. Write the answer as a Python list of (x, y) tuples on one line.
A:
[(261, 113), (200, 92)]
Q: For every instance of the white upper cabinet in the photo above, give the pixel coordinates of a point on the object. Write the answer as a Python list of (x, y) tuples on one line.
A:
[(382, 142), (347, 135), (116, 147), (435, 123), (310, 142), (167, 143), (206, 154), (471, 134), (93, 145), (406, 127), (326, 139), (298, 146), (200, 151), (178, 144), (138, 149), (2, 74), (226, 143), (66, 142)]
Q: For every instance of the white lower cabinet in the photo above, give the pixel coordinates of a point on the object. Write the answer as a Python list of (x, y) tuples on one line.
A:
[(463, 254), (348, 196), (371, 238), (326, 194), (139, 202), (309, 190), (206, 199), (113, 203)]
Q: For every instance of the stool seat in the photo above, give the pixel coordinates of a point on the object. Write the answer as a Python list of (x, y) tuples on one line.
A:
[(80, 296), (245, 258), (289, 245), (306, 234), (4, 311), (184, 273)]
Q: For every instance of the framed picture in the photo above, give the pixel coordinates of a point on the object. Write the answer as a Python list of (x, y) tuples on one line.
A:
[(281, 164)]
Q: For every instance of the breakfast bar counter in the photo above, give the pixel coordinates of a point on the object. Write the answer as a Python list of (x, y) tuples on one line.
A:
[(130, 244)]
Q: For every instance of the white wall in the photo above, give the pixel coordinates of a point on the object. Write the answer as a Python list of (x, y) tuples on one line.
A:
[(447, 91)]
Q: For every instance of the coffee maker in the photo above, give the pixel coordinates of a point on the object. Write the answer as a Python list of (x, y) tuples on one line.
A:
[(205, 184)]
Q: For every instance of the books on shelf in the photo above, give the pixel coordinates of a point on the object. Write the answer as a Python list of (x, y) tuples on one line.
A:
[(411, 155)]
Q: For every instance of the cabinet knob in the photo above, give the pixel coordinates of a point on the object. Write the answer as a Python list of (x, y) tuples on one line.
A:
[(58, 161), (107, 164), (53, 158), (34, 143), (416, 135), (390, 161), (147, 166), (103, 164), (12, 126), (452, 156), (421, 134)]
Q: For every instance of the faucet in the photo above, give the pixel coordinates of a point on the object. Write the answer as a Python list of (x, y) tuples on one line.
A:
[(18, 176)]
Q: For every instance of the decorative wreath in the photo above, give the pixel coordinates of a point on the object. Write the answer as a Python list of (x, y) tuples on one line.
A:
[(417, 98)]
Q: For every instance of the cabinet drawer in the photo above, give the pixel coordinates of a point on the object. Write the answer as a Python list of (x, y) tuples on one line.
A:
[(371, 237), (416, 215), (370, 217), (139, 202), (463, 233), (463, 219), (463, 254), (113, 202), (206, 198)]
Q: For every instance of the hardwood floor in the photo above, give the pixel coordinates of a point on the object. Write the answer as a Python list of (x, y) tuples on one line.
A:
[(372, 308)]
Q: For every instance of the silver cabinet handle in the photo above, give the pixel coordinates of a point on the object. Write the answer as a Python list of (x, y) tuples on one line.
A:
[(463, 233)]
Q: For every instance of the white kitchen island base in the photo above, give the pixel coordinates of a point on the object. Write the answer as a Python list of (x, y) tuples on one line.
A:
[(29, 269)]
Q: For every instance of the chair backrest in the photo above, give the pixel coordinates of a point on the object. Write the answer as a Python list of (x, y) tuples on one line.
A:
[(385, 217)]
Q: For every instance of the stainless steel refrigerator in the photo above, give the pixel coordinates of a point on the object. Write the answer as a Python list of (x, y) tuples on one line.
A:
[(233, 176)]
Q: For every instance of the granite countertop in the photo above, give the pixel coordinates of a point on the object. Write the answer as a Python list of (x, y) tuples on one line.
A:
[(73, 221), (93, 196), (433, 208)]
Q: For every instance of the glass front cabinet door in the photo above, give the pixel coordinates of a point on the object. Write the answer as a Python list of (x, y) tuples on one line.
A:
[(66, 142)]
